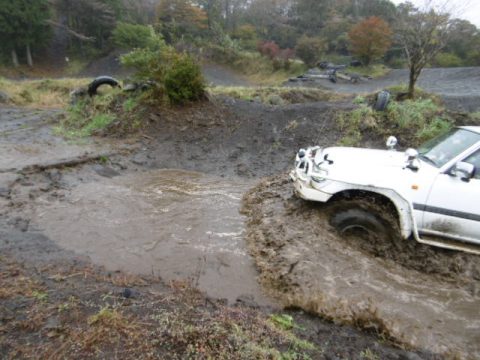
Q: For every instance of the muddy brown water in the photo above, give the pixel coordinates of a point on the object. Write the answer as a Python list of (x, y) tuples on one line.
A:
[(172, 223), (305, 264), (187, 225)]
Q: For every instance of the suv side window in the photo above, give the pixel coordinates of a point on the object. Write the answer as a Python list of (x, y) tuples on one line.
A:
[(474, 159)]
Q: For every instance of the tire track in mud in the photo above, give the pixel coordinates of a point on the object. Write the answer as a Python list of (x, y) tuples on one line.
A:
[(416, 295)]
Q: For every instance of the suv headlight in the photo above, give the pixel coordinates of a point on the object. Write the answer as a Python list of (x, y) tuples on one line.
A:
[(318, 174)]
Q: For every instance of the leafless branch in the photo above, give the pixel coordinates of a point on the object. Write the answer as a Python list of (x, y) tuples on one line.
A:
[(71, 32)]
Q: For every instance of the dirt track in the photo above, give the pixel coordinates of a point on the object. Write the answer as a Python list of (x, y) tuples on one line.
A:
[(459, 87)]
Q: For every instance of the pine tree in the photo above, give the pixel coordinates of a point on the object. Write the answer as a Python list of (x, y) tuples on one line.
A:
[(23, 24)]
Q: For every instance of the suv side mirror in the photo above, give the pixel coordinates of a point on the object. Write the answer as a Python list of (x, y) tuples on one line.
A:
[(464, 171), (391, 142), (412, 159)]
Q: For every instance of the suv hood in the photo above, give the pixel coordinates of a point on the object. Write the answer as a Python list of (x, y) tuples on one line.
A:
[(346, 157)]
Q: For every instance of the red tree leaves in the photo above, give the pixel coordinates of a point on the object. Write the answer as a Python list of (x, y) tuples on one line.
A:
[(370, 39)]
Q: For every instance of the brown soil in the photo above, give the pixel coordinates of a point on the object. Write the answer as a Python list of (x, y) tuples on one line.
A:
[(229, 137)]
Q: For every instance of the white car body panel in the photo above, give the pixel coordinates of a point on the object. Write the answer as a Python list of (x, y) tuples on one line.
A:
[(426, 198)]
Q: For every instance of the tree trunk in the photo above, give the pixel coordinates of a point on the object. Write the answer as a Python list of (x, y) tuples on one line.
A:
[(411, 83), (15, 58), (227, 15), (209, 14), (356, 12), (29, 56)]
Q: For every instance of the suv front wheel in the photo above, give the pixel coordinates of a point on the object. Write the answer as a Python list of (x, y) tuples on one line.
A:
[(362, 218)]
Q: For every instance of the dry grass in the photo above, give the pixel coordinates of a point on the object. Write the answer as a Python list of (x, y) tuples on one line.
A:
[(15, 282), (41, 93), (81, 313)]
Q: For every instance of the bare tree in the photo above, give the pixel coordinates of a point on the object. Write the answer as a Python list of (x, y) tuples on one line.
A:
[(423, 33)]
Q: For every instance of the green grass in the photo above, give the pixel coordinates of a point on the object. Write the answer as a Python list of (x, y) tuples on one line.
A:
[(88, 116), (40, 296), (368, 354), (98, 122), (273, 95), (475, 119), (262, 71), (109, 112), (130, 104), (283, 321), (75, 66), (412, 121), (420, 94)]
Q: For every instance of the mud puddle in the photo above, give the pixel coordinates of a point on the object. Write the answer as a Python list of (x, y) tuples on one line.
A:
[(420, 296), (171, 223)]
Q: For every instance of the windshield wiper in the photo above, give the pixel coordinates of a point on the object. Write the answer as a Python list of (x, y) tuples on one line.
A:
[(427, 159)]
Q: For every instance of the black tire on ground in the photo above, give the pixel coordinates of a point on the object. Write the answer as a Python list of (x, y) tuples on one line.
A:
[(354, 79), (323, 65), (333, 78), (381, 103), (99, 81), (352, 219)]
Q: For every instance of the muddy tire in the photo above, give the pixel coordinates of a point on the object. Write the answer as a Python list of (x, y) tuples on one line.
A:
[(99, 81), (351, 218), (381, 103)]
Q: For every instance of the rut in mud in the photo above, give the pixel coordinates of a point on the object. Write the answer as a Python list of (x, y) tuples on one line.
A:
[(399, 289)]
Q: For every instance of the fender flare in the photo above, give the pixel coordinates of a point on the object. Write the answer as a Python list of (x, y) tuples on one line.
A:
[(404, 208)]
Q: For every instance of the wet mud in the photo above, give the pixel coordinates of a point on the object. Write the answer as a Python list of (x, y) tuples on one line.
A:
[(416, 295), (126, 211), (27, 140)]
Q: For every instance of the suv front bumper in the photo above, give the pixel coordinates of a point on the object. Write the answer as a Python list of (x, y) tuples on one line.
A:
[(304, 189)]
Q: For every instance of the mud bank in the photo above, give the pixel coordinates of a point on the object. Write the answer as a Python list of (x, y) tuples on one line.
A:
[(236, 138), (417, 295)]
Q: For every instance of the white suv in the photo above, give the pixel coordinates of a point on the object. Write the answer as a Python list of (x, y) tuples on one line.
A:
[(433, 193)]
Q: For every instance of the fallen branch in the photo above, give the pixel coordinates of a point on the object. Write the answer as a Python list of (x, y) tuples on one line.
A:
[(71, 32)]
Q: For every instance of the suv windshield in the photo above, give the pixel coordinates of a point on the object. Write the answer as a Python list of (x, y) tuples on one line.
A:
[(441, 150)]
